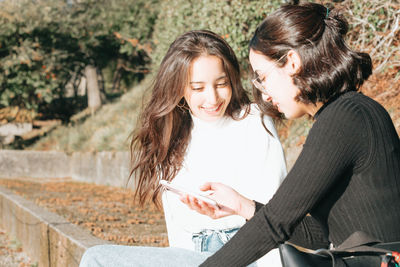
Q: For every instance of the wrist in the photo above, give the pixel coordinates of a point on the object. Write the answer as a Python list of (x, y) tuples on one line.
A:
[(247, 208)]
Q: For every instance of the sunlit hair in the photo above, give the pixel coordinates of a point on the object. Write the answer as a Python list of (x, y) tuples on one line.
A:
[(328, 66), (163, 132)]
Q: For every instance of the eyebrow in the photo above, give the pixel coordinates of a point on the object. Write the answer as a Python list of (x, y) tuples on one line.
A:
[(224, 76)]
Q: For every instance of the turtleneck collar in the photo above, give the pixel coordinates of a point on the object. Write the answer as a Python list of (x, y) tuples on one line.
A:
[(199, 123)]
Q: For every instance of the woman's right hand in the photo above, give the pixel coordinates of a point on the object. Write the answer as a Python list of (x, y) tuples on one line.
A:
[(229, 200)]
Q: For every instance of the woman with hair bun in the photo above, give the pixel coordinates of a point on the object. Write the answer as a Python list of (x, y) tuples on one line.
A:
[(347, 177)]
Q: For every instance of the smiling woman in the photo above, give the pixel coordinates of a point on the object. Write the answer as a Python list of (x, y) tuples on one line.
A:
[(213, 126), (209, 91), (199, 126)]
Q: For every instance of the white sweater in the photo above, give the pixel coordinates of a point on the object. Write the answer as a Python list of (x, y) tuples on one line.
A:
[(240, 154)]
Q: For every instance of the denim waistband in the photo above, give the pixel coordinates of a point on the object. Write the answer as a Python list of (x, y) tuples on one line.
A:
[(211, 240)]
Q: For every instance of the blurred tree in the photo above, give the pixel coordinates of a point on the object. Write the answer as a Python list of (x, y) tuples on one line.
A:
[(45, 45)]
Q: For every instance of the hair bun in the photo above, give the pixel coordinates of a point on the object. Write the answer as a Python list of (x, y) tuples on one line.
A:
[(336, 21)]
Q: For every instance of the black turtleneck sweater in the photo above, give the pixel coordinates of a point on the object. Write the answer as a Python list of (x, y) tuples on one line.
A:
[(347, 177)]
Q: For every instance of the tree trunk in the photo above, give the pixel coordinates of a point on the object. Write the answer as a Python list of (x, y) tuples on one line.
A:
[(92, 86)]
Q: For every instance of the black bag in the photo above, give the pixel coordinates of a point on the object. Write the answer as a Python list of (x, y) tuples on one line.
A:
[(359, 250)]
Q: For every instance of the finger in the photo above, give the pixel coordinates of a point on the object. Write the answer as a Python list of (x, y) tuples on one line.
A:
[(200, 206), (205, 206), (194, 202), (190, 202), (207, 186), (184, 198), (209, 210)]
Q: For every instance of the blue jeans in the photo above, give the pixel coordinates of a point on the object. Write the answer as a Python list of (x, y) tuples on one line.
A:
[(131, 256), (213, 240)]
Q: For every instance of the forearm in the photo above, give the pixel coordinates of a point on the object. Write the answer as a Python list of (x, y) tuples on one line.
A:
[(245, 247)]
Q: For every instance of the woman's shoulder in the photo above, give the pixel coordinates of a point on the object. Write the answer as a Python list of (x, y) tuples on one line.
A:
[(352, 106), (254, 112), (255, 119), (250, 114), (353, 115)]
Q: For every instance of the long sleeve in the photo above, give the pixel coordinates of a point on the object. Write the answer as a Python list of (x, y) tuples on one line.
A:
[(335, 179)]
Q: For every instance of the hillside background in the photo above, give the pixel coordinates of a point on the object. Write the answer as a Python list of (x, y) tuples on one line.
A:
[(46, 61)]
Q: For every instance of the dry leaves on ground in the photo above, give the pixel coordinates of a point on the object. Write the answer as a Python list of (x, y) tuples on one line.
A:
[(107, 212)]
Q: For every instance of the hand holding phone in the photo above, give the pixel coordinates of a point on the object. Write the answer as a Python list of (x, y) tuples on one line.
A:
[(181, 190)]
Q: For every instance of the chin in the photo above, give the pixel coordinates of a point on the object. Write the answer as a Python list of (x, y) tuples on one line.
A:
[(215, 117)]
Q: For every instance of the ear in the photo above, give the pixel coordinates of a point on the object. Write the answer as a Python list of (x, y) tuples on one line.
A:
[(293, 63)]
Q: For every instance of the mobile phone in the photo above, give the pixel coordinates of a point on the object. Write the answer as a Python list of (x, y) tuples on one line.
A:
[(180, 190)]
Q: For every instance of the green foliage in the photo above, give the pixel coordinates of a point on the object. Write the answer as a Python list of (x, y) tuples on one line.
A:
[(29, 70), (234, 20), (374, 24), (46, 43), (43, 44)]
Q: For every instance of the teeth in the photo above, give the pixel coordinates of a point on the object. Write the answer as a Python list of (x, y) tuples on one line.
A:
[(211, 109)]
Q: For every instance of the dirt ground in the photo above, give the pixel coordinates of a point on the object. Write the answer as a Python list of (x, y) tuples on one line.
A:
[(105, 211)]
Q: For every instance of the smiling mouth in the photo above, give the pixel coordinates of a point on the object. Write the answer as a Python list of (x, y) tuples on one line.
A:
[(212, 110)]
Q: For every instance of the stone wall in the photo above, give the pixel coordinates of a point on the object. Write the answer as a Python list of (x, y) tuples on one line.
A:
[(47, 238), (107, 168)]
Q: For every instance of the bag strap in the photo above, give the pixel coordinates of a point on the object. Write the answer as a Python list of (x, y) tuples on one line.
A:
[(359, 243)]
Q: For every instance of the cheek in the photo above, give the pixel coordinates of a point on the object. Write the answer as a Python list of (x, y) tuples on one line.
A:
[(228, 95), (292, 93), (190, 99), (225, 94), (283, 88)]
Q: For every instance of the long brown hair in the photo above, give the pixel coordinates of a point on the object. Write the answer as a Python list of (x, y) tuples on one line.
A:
[(163, 132), (329, 67)]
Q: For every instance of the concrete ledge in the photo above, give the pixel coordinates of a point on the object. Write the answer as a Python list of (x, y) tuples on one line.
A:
[(48, 239), (106, 168)]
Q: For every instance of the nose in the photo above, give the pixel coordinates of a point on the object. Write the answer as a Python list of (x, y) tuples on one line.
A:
[(212, 95)]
